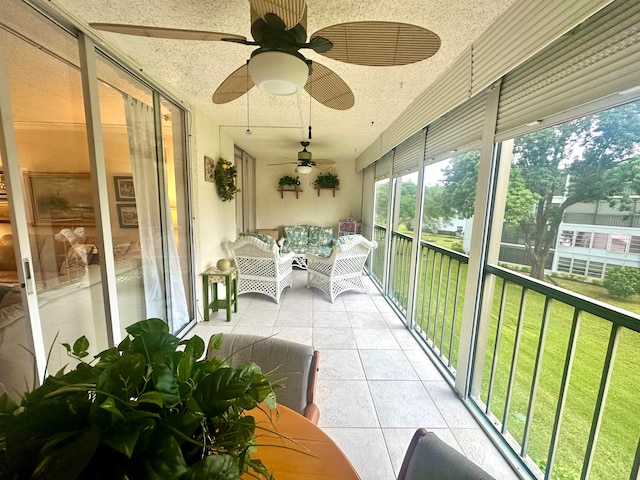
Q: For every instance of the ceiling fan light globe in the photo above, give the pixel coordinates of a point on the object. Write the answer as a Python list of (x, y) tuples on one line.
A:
[(278, 73), (304, 169)]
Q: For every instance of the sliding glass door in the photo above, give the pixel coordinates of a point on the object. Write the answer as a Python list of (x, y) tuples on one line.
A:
[(66, 249)]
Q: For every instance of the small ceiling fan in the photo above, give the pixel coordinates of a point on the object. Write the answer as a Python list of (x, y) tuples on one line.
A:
[(305, 162), (279, 30)]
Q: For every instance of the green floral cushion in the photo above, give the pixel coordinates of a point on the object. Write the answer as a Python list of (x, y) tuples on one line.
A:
[(320, 236), (347, 239), (268, 239), (296, 235)]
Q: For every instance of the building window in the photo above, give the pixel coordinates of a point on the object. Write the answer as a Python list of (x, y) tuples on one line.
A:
[(600, 241), (583, 239), (579, 267), (619, 243), (595, 269), (566, 238), (634, 246), (564, 264)]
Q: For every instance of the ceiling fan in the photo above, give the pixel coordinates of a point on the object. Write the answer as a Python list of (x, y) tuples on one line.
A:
[(279, 30), (305, 162)]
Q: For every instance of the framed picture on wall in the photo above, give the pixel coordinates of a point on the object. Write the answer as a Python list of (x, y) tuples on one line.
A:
[(61, 198), (127, 215), (125, 191), (209, 167), (3, 187)]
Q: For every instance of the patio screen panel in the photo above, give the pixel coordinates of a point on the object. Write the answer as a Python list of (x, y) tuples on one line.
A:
[(596, 59), (460, 127), (409, 154)]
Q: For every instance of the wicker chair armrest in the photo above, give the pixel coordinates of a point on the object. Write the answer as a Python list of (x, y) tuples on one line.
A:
[(286, 256)]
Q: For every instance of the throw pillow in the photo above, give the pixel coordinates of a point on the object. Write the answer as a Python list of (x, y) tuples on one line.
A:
[(320, 236)]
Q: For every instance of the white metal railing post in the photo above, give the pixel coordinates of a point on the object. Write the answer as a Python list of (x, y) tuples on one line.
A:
[(417, 236), (386, 277), (487, 224)]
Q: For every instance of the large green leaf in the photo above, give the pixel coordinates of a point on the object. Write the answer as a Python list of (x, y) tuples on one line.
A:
[(215, 342), (185, 364), (163, 459), (7, 405), (152, 343), (124, 436), (148, 325), (71, 457), (197, 344), (152, 397), (213, 467), (122, 378), (215, 391), (164, 380)]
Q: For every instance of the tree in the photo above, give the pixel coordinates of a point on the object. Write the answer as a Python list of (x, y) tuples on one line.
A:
[(407, 211), (585, 160), (435, 211), (382, 202)]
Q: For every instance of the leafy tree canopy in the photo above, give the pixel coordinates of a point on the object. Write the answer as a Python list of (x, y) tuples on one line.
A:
[(584, 160)]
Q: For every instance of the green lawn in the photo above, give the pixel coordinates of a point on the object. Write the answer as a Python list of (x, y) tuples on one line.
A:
[(621, 423)]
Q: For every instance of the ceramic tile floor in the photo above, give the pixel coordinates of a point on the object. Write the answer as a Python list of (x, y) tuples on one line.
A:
[(376, 386)]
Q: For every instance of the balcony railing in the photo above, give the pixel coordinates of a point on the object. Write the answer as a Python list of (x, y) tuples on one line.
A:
[(400, 269), (560, 381), (439, 300), (555, 374), (378, 255)]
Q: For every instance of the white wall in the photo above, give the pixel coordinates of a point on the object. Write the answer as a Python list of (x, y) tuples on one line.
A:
[(275, 212), (214, 221)]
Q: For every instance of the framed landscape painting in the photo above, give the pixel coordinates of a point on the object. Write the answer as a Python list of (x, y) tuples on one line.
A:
[(61, 198)]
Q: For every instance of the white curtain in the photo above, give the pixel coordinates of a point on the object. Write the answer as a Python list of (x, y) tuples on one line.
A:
[(140, 129)]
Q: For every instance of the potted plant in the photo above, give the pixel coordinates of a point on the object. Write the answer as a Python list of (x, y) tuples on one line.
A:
[(289, 183), (149, 408), (326, 180)]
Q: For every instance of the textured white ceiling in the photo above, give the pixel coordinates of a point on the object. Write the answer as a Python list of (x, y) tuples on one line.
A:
[(195, 69)]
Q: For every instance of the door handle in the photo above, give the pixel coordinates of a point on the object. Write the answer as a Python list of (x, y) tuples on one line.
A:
[(27, 276)]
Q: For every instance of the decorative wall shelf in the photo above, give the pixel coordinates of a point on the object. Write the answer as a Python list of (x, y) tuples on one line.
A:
[(326, 188), (282, 190)]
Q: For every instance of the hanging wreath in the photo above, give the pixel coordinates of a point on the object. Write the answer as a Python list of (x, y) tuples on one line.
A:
[(225, 175)]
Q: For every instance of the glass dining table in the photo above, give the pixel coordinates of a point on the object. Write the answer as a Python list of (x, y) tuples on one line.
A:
[(299, 450)]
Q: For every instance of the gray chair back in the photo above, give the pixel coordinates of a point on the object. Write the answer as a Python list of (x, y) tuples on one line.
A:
[(429, 458), (290, 364)]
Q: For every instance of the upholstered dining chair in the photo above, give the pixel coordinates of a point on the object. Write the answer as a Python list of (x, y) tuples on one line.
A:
[(290, 364), (429, 458), (342, 271), (261, 267)]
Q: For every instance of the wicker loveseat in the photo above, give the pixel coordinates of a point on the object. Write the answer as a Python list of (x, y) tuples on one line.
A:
[(303, 239)]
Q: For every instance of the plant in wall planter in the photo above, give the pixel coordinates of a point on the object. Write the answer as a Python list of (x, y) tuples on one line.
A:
[(225, 176), (326, 180), (289, 183), (149, 408)]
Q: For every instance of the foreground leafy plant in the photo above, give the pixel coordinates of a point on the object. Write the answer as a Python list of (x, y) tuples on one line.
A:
[(144, 409)]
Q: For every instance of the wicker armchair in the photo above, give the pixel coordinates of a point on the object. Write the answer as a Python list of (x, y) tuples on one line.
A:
[(261, 267), (342, 271)]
